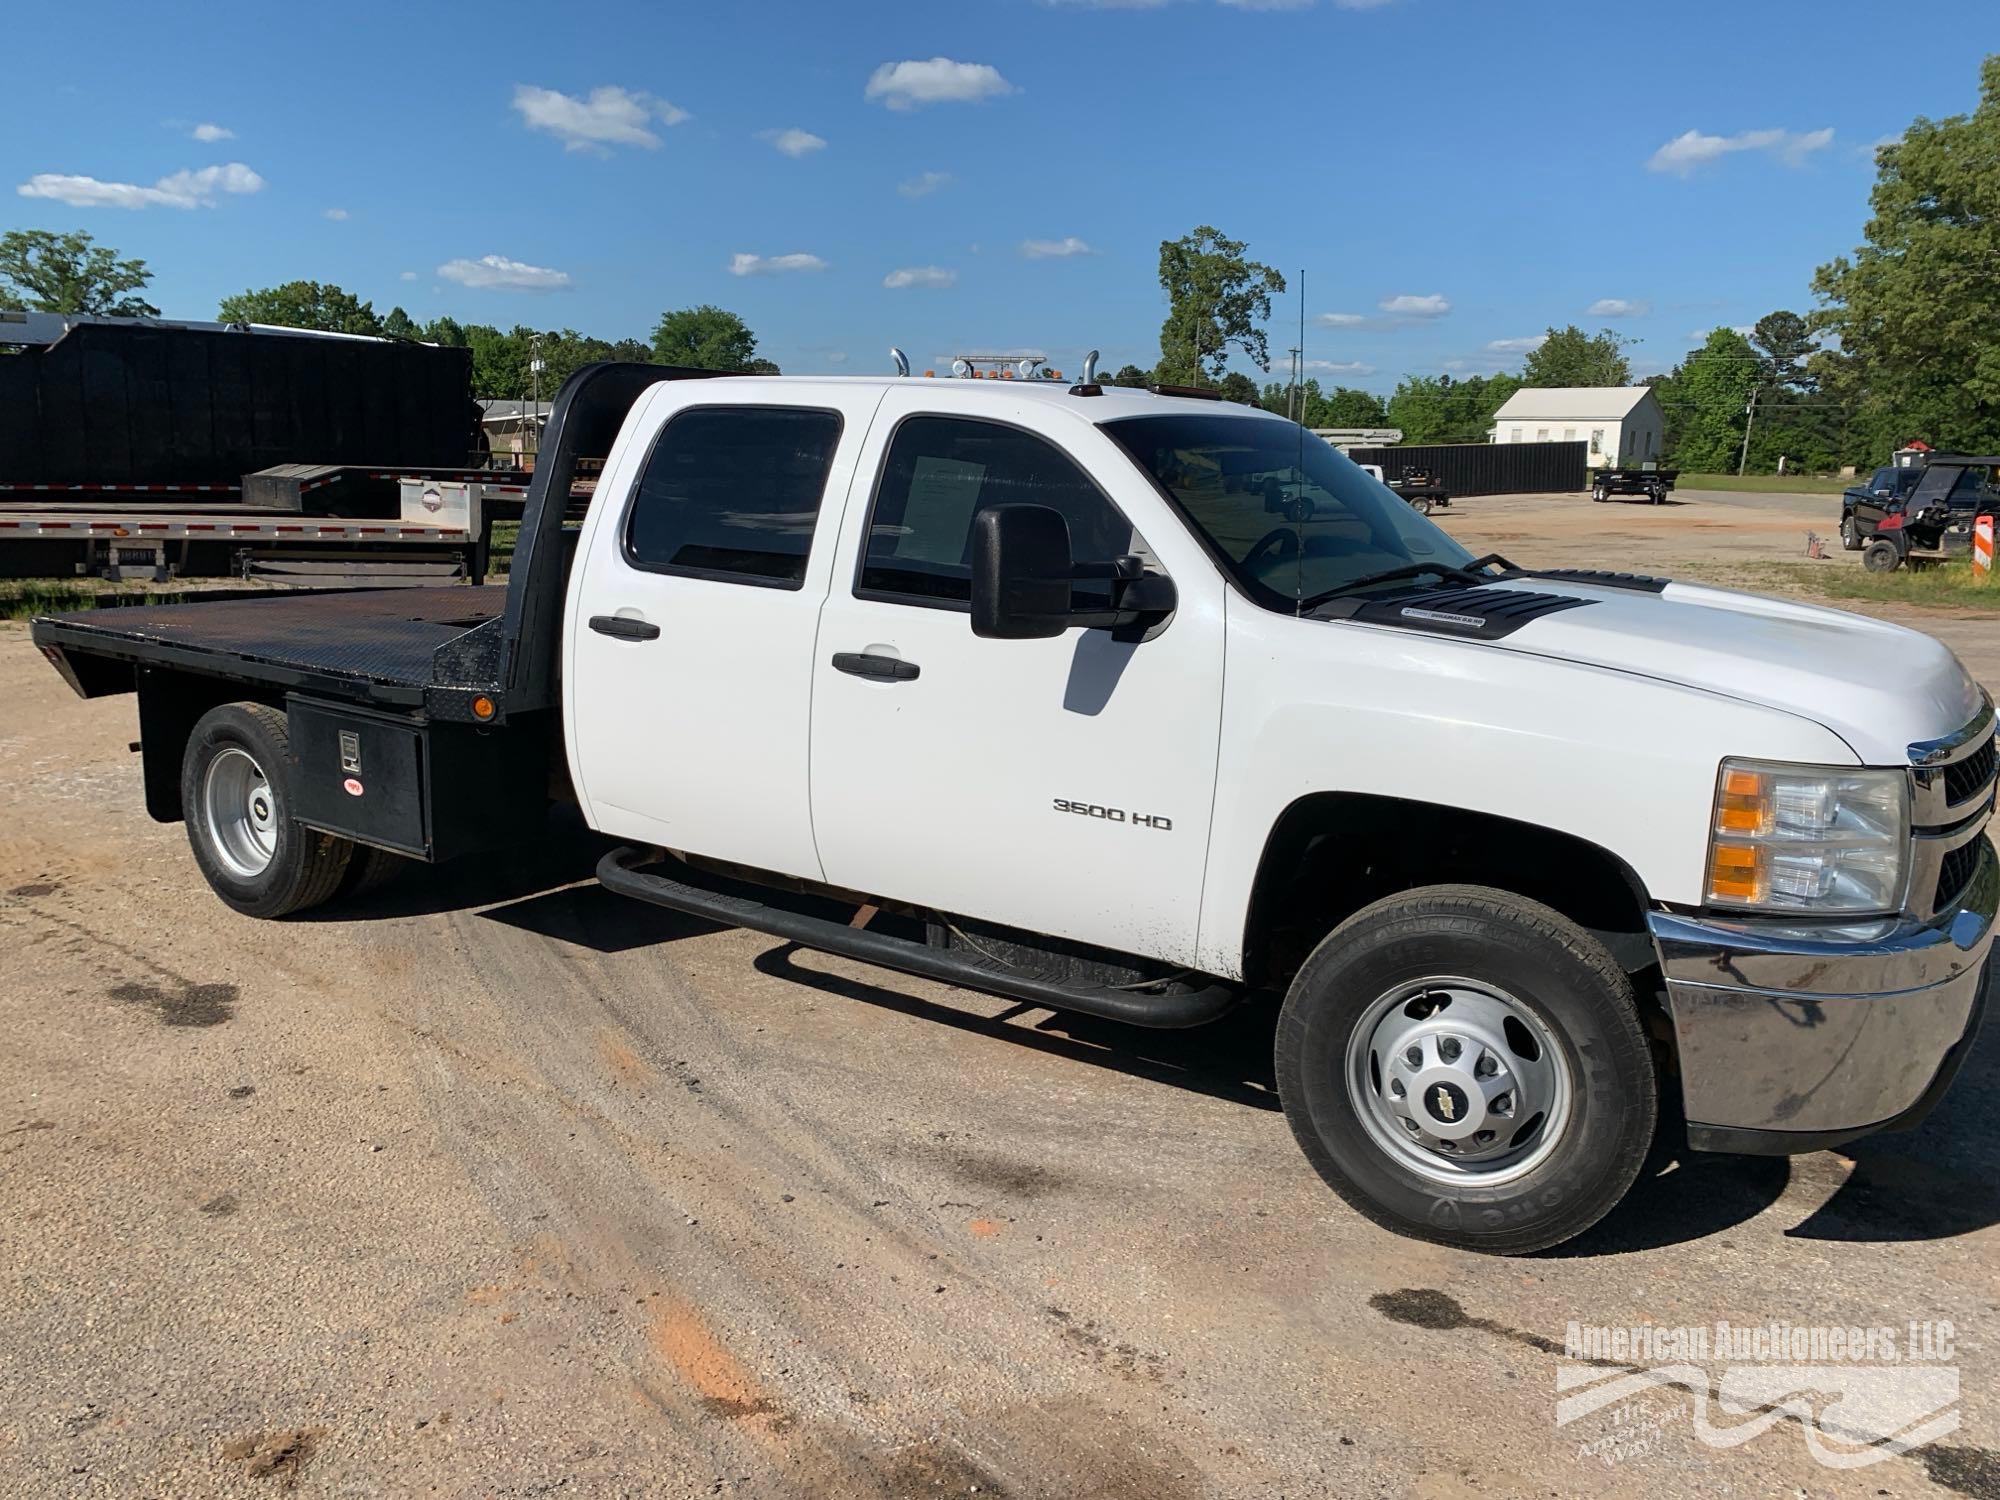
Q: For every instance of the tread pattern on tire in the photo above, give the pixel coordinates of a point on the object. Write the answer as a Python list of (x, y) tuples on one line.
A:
[(317, 875), (1439, 901)]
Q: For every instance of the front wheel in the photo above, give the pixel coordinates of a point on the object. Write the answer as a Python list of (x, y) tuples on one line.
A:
[(1850, 534), (1466, 1066), (1423, 505), (1881, 557), (237, 799), (1600, 494)]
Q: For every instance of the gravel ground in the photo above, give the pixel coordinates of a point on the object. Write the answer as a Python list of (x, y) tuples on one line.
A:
[(495, 1184)]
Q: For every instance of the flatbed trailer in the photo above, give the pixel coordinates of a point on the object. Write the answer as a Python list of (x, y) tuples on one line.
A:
[(1649, 484), (424, 718)]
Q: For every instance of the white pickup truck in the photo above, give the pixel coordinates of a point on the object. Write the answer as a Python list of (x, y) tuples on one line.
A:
[(1021, 686)]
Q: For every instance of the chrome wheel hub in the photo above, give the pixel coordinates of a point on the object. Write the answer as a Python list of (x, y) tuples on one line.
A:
[(240, 813), (1459, 1081)]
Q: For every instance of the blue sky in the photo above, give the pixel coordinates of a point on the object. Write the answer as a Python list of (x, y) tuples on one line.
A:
[(1452, 175)]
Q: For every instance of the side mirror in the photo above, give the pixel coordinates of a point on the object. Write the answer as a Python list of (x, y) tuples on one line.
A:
[(1884, 494), (1020, 573), (1021, 576)]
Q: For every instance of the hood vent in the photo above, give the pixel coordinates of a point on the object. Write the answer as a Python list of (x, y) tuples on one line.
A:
[(1640, 582), (1477, 614)]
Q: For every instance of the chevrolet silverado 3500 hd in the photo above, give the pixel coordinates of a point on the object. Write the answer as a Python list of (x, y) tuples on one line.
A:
[(1019, 686)]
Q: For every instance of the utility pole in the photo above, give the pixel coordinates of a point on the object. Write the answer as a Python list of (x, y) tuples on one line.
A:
[(1749, 421)]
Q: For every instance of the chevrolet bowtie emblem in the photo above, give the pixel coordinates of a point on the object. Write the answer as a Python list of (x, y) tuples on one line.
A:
[(1444, 1108)]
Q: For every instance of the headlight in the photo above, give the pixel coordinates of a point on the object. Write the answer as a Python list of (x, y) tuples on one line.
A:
[(1808, 838)]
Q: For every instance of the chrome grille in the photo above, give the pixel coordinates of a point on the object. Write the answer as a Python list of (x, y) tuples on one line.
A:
[(1955, 873), (1965, 779)]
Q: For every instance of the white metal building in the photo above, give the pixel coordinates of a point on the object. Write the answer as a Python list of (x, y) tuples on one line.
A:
[(1623, 424)]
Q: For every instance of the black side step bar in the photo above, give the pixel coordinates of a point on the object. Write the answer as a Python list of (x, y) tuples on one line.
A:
[(1174, 1010)]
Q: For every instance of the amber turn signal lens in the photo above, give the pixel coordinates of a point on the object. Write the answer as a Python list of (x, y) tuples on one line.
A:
[(483, 707), (1743, 804), (1735, 873)]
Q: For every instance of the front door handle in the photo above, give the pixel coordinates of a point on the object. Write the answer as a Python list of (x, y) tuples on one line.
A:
[(868, 664), (624, 627)]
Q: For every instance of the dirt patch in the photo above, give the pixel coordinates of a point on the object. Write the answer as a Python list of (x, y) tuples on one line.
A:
[(726, 1388), (1017, 1179), (221, 1206), (625, 1064), (187, 1004), (33, 889), (282, 1456)]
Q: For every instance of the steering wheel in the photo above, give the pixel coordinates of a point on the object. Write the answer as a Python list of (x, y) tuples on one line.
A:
[(1280, 540)]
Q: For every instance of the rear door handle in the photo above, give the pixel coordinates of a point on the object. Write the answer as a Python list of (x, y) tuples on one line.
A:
[(624, 627), (868, 664)]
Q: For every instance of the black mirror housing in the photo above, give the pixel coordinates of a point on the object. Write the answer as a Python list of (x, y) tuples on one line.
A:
[(1021, 569)]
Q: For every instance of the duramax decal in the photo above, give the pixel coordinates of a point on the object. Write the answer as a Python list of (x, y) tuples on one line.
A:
[(1115, 815)]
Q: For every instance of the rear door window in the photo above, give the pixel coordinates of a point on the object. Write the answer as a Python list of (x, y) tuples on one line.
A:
[(733, 493)]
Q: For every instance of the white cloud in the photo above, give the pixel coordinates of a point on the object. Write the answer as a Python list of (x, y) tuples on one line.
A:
[(924, 184), (1526, 345), (837, 357), (905, 85), (607, 116), (1413, 305), (212, 133), (1340, 320), (1054, 249), (193, 189), (925, 276), (1338, 367), (1619, 307), (336, 214), (1692, 150), (496, 273), (407, 276), (742, 263), (793, 142)]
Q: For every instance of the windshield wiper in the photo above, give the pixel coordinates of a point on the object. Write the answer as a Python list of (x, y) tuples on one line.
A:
[(1467, 575)]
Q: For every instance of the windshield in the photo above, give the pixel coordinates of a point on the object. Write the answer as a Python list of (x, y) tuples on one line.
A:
[(1287, 519)]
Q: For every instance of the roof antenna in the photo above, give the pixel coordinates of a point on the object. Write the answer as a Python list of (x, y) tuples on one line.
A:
[(1089, 369), (902, 361)]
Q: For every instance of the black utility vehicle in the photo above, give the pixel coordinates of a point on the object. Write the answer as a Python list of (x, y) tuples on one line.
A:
[(1960, 483)]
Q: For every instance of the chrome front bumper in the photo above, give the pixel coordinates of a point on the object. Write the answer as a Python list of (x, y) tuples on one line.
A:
[(1795, 1036)]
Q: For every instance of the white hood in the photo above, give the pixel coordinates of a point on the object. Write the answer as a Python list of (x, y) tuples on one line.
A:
[(1878, 686)]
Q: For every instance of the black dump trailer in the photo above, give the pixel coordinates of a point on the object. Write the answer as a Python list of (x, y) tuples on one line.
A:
[(200, 447)]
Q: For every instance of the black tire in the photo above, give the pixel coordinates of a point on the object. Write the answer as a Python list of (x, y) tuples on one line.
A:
[(1550, 966), (1600, 494), (370, 869), (1850, 534), (305, 867), (1423, 505), (1881, 556)]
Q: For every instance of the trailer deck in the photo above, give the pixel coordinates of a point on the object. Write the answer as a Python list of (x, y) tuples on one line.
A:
[(370, 645)]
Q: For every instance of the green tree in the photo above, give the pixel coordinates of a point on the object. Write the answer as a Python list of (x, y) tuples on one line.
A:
[(397, 324), (705, 338), (1439, 409), (1216, 298), (1706, 400), (1916, 310), (1785, 341), (446, 331), (1571, 357), (1238, 387), (302, 304), (1130, 375), (42, 271), (1348, 407)]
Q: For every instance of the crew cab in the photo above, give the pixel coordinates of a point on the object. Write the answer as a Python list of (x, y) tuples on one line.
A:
[(1022, 686)]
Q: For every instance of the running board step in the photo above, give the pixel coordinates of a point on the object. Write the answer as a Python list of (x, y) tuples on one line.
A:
[(1174, 1010)]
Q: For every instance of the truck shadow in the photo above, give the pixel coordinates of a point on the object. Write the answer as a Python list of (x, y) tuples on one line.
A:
[(1928, 1184), (1228, 1059)]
